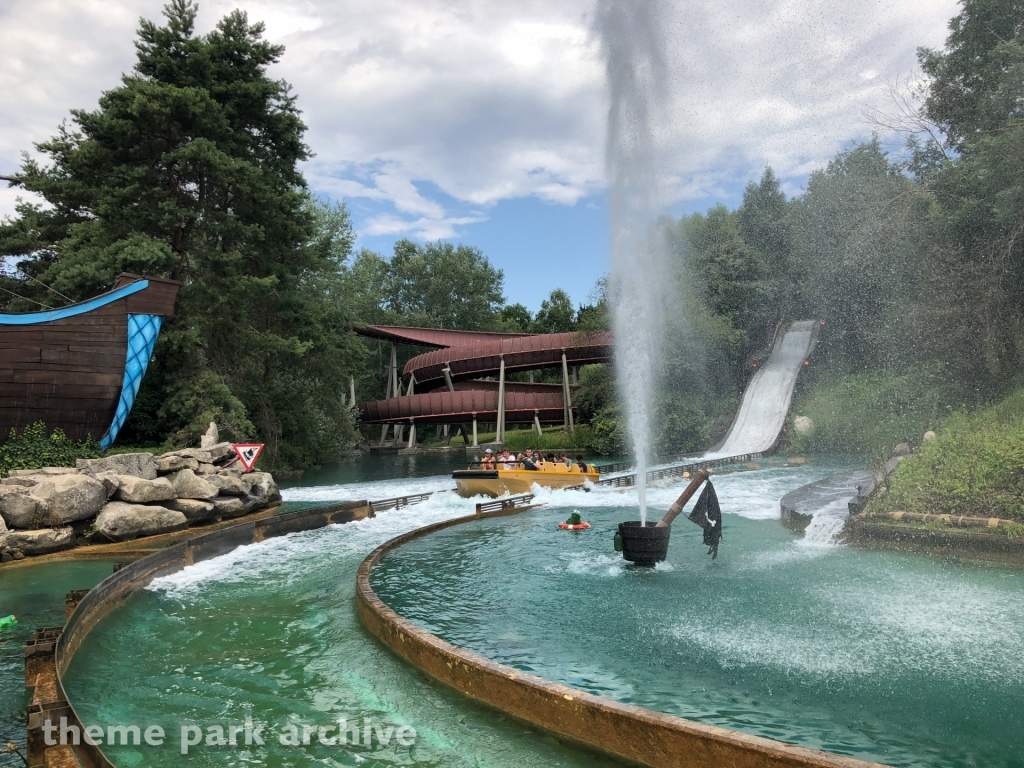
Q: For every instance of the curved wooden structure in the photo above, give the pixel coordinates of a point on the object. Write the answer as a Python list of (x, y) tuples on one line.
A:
[(79, 368)]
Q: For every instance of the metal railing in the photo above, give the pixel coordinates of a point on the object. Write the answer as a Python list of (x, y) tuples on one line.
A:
[(399, 502), (512, 502), (624, 481)]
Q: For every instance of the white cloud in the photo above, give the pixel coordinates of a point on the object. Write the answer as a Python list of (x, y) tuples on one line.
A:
[(487, 100)]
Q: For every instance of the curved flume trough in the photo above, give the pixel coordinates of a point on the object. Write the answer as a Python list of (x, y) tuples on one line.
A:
[(625, 731)]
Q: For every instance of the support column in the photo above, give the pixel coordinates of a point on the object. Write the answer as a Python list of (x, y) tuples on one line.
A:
[(390, 390), (536, 422), (352, 391), (500, 427), (475, 443), (412, 434), (567, 399)]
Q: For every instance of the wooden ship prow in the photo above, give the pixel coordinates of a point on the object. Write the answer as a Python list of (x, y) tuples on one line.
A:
[(78, 368)]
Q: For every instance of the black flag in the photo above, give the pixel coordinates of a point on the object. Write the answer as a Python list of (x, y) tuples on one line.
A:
[(708, 515)]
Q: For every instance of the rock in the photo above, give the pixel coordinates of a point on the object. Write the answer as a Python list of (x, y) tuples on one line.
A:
[(43, 471), (221, 451), (206, 469), (23, 482), (3, 533), (753, 465), (67, 498), (136, 490), (796, 461), (120, 521), (227, 485), (803, 425), (110, 480), (252, 503), (135, 464), (228, 507), (929, 435), (40, 542), (194, 510), (6, 557), (262, 484), (19, 509), (211, 438), (171, 463), (188, 486), (901, 449), (235, 470), (17, 554)]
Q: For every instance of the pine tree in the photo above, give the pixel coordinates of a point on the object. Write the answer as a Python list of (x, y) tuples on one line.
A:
[(189, 169)]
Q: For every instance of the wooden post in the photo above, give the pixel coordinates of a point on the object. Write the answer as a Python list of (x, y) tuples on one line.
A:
[(499, 436), (567, 399)]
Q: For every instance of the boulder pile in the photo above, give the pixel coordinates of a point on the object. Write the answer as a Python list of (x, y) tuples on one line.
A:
[(122, 497)]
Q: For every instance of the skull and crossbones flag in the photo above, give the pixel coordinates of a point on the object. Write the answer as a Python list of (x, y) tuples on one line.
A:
[(708, 515)]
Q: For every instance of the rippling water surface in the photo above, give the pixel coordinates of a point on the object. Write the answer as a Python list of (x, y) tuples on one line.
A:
[(903, 659)]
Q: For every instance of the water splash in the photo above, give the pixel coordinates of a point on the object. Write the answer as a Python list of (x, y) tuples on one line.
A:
[(640, 279)]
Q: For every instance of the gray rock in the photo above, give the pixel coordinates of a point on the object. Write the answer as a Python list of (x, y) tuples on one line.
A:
[(24, 482), (17, 554), (43, 471), (253, 503), (221, 451), (227, 485), (111, 481), (121, 522), (40, 542), (136, 490), (6, 557), (135, 464), (67, 498), (194, 510), (211, 438), (188, 486), (3, 533), (206, 469), (262, 484), (171, 463), (19, 509), (901, 449), (228, 507)]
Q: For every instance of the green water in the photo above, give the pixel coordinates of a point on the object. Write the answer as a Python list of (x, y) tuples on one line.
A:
[(903, 659), (898, 659), (35, 594)]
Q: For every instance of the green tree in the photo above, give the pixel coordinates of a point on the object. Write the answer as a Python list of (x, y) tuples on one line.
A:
[(516, 318), (556, 314), (188, 170)]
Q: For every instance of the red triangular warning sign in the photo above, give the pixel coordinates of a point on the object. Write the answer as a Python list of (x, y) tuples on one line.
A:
[(248, 453)]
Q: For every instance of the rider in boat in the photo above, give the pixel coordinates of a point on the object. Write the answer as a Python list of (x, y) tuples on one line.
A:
[(488, 460)]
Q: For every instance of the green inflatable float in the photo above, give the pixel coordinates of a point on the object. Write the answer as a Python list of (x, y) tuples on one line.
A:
[(8, 622)]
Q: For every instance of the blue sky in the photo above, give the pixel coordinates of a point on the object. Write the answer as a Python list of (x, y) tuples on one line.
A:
[(484, 122)]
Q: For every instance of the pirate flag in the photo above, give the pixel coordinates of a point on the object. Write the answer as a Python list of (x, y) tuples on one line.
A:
[(708, 515)]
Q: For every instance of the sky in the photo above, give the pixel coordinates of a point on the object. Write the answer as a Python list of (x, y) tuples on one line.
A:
[(482, 122)]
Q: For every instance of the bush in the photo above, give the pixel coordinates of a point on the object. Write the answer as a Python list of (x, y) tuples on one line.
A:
[(974, 467), (580, 441), (32, 449)]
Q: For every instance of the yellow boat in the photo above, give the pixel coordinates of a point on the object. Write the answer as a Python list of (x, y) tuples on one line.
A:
[(498, 482)]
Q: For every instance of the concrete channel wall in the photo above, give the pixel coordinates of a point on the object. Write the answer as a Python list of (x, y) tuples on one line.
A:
[(622, 730)]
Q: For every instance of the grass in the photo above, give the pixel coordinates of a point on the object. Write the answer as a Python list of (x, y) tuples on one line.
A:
[(974, 467)]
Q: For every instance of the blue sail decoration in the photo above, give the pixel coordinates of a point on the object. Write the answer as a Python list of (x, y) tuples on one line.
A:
[(142, 334)]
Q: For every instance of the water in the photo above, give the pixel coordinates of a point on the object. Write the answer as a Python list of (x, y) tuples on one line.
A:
[(35, 594), (640, 279), (270, 631), (900, 659)]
